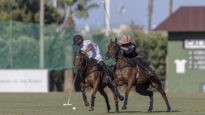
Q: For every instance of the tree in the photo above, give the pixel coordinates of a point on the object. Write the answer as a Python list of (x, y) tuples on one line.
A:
[(6, 6), (78, 8), (28, 10), (153, 46), (23, 37)]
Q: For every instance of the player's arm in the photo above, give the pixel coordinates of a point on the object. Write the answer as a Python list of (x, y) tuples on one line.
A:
[(88, 48), (124, 48)]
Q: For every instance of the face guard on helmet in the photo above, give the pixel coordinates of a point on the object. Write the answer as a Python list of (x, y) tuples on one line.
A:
[(78, 39)]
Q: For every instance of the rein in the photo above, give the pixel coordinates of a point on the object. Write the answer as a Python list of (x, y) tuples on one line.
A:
[(119, 56), (86, 65)]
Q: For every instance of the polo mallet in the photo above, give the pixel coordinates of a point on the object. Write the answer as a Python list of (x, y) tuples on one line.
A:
[(106, 14), (68, 103)]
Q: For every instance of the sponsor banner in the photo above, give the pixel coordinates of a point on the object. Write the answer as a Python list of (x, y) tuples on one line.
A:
[(24, 81)]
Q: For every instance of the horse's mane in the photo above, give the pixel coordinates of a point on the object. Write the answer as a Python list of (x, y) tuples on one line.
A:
[(87, 59), (88, 65)]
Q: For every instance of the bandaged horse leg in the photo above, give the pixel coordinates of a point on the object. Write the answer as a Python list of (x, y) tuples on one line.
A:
[(143, 91), (92, 103), (165, 98), (157, 84), (116, 103), (124, 107), (115, 90), (121, 98), (95, 88), (84, 95), (115, 97)]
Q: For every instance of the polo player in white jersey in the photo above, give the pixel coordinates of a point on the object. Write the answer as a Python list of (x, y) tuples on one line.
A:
[(92, 51)]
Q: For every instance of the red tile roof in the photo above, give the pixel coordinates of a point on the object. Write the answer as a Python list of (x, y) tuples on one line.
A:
[(185, 19)]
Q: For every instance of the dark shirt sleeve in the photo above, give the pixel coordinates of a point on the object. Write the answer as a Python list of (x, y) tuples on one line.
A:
[(131, 52), (132, 47), (134, 52)]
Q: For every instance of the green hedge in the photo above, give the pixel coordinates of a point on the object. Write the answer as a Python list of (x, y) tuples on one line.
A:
[(154, 47)]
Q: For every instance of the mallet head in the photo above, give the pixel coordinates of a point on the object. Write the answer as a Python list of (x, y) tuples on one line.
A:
[(67, 104)]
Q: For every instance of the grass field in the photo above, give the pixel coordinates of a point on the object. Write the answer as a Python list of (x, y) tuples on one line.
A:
[(51, 104)]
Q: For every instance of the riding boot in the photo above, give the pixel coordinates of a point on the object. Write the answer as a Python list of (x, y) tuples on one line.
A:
[(106, 72), (80, 74), (144, 64), (149, 71)]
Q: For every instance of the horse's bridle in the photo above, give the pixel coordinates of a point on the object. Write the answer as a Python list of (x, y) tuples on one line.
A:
[(114, 55)]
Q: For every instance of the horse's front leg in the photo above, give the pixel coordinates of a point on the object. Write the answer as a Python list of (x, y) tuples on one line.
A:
[(83, 87), (117, 93), (113, 87), (124, 107), (95, 88), (104, 94)]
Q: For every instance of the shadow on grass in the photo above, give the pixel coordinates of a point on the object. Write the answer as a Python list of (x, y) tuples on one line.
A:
[(172, 111), (130, 112)]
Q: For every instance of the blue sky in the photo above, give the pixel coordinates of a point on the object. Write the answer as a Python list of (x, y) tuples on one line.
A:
[(136, 11)]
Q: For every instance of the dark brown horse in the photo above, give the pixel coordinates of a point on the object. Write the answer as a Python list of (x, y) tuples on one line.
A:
[(92, 76), (132, 75)]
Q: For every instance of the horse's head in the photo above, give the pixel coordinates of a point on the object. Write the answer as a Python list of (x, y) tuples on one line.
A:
[(113, 49), (79, 59)]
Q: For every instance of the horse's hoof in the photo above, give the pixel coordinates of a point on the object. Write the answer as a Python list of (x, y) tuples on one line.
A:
[(117, 111), (87, 104), (149, 110), (124, 107), (169, 109), (121, 98), (91, 109), (108, 109)]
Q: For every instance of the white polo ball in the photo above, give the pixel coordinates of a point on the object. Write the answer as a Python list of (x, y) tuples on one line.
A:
[(74, 108)]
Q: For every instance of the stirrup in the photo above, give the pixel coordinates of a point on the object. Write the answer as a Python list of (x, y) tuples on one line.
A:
[(107, 79), (150, 73)]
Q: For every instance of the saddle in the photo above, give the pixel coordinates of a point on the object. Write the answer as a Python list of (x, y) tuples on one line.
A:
[(138, 60), (142, 63)]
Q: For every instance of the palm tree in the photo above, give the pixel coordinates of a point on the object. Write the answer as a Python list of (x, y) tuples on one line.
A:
[(77, 8)]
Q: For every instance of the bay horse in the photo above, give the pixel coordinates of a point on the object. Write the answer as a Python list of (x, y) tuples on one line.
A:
[(92, 76), (131, 74)]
